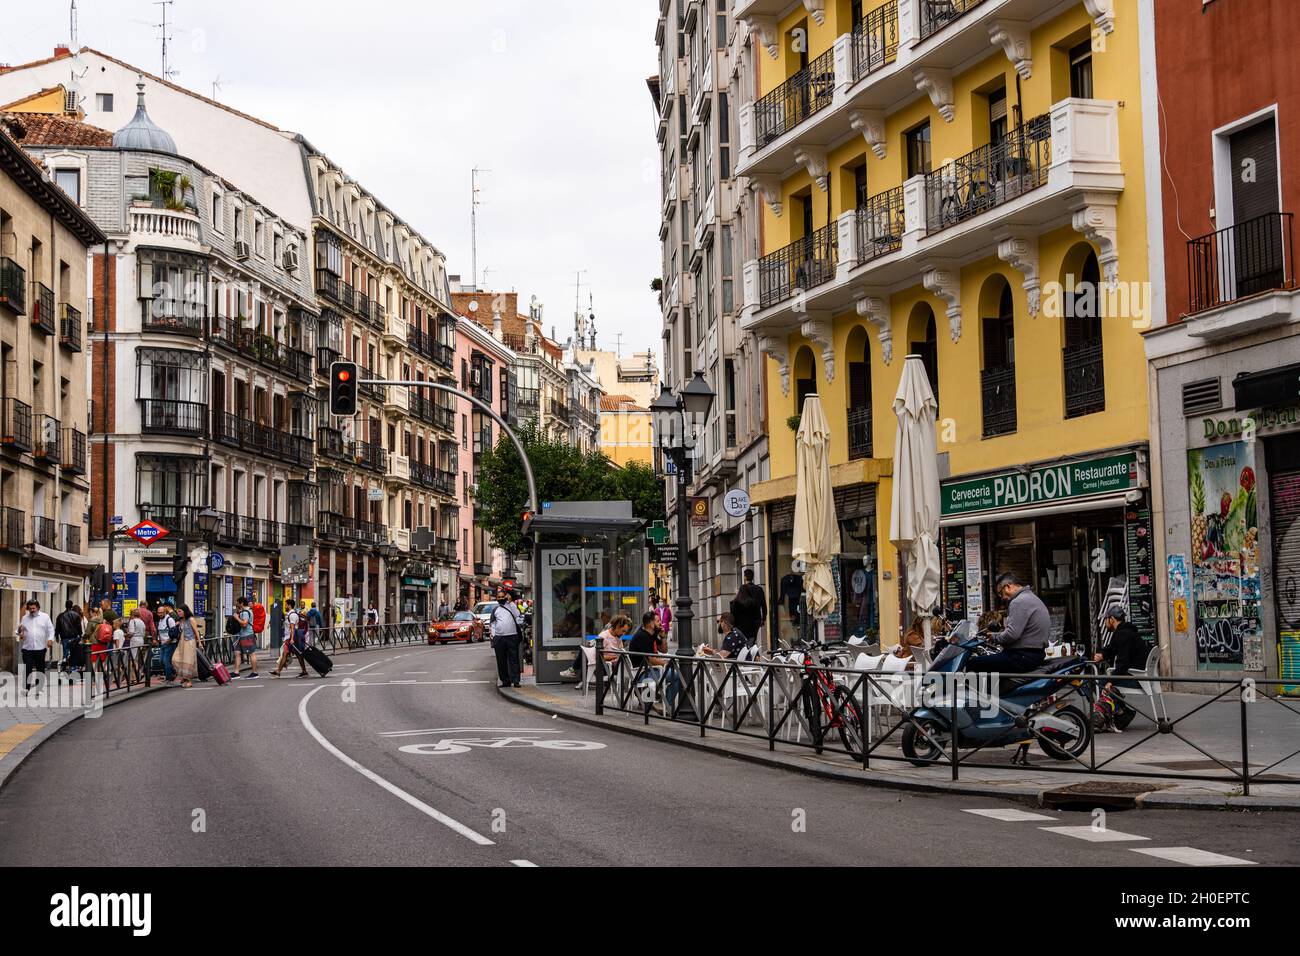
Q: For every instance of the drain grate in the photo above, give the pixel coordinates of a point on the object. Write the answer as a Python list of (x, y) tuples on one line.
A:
[(1111, 794)]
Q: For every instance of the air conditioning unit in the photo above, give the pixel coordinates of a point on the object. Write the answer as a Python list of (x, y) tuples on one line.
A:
[(70, 104), (241, 249), (291, 259)]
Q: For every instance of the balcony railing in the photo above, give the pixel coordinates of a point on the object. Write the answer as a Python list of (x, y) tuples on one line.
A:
[(937, 14), (347, 296), (262, 348), (49, 436), (875, 40), (807, 92), (1085, 379), (585, 416), (178, 519), (859, 433), (330, 443), (13, 286), (164, 416), (998, 394), (325, 357), (74, 451), (71, 328), (446, 550), (14, 529), (174, 318), (445, 482), (421, 474), (881, 224), (803, 264), (327, 284), (989, 176), (364, 375), (45, 532), (562, 411), (444, 418), (1240, 261), (42, 311), (370, 456), (70, 538), (528, 400), (251, 436), (15, 425), (444, 356)]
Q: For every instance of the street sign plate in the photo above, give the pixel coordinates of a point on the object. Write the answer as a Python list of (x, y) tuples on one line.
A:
[(146, 532), (375, 494), (664, 554), (736, 503), (218, 560)]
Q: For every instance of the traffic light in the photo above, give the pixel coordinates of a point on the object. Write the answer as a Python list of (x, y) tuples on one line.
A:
[(343, 389), (527, 523), (100, 581), (181, 564)]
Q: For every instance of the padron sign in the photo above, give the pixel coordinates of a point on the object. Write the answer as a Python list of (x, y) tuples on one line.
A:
[(1072, 479)]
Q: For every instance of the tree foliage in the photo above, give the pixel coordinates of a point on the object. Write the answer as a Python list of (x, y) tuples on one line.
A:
[(563, 473)]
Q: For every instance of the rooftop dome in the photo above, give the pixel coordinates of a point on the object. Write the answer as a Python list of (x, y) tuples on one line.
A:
[(142, 132)]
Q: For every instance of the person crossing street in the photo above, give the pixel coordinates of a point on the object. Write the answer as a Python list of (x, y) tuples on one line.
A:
[(506, 625), (295, 640)]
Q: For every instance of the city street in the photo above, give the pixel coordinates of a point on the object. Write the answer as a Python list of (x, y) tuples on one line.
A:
[(428, 765)]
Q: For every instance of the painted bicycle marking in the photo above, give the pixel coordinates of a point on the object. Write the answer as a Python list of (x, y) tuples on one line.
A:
[(459, 740)]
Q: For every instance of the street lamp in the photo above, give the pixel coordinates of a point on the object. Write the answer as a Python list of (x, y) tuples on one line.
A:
[(669, 412), (208, 520)]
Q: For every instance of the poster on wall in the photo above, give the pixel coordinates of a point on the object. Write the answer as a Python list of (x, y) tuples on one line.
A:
[(1225, 558), (954, 573), (974, 575), (1141, 568)]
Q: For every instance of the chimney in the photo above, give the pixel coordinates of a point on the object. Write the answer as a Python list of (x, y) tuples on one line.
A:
[(62, 50), (497, 331)]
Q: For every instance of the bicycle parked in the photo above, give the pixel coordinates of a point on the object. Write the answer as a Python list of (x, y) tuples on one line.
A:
[(826, 705)]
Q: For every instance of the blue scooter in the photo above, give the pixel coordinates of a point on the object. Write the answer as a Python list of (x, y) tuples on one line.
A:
[(1025, 709)]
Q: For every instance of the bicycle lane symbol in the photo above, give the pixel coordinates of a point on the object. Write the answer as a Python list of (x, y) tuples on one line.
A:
[(459, 740)]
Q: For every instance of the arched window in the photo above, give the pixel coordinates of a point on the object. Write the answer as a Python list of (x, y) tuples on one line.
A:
[(859, 408), (1085, 379), (998, 376), (805, 377), (923, 340)]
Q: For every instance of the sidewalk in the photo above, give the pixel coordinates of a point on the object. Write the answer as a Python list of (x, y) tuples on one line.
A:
[(1274, 736)]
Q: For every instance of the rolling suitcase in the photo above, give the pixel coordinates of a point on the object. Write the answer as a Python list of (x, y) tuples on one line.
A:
[(220, 674), (318, 660), (203, 665)]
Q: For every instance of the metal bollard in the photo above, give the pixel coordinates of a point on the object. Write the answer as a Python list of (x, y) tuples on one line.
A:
[(1245, 749), (599, 664)]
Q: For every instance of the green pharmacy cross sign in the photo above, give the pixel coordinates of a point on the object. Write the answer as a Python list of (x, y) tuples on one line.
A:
[(657, 534)]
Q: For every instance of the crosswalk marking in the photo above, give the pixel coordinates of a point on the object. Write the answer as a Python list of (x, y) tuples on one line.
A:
[(1009, 816), (1087, 833), (1192, 856)]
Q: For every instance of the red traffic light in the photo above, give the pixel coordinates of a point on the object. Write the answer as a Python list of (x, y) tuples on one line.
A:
[(344, 375)]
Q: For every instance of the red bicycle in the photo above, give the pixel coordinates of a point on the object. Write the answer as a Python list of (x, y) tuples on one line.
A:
[(826, 705)]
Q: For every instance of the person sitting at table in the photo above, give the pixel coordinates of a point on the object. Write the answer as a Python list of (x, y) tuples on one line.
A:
[(611, 638), (733, 641), (643, 647)]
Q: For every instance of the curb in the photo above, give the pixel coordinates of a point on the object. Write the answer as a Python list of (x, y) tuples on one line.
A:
[(1020, 793), (11, 761)]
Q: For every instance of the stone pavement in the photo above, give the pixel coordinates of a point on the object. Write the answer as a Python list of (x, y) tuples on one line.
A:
[(1156, 771)]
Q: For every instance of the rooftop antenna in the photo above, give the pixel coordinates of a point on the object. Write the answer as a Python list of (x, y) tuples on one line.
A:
[(216, 86), (72, 26), (577, 289), (165, 34), (618, 345), (473, 220)]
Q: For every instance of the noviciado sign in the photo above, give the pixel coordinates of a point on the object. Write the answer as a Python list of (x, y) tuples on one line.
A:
[(1073, 479)]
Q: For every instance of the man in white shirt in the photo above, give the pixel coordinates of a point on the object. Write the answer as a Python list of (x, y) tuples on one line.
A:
[(506, 638), (36, 632), (295, 639)]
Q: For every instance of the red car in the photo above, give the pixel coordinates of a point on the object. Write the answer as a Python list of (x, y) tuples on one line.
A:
[(461, 626)]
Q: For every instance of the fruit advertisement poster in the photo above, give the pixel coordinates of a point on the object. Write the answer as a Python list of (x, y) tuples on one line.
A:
[(1225, 557)]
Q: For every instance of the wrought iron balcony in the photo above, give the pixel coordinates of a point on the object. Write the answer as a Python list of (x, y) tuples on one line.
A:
[(528, 401), (178, 519), (875, 40), (1240, 261), (327, 284), (445, 482), (370, 456), (444, 356), (330, 443), (325, 357), (374, 391), (804, 264), (49, 436), (586, 417), (14, 529), (42, 310), (45, 532), (15, 425), (74, 451), (251, 436), (71, 328), (444, 418), (70, 538), (263, 349), (998, 394), (989, 176), (164, 416), (562, 411), (937, 14), (860, 433), (421, 474), (446, 550), (347, 296), (174, 318), (1085, 379), (13, 286), (809, 91), (880, 225)]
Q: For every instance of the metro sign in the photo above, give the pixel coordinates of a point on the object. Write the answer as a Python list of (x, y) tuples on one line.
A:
[(146, 532)]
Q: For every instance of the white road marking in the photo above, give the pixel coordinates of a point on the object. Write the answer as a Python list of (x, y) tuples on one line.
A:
[(366, 668), (1009, 816), (403, 682), (522, 863), (479, 671), (392, 788), (1192, 856), (415, 672), (1087, 833), (462, 730)]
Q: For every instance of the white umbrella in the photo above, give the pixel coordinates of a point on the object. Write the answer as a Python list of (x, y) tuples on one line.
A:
[(914, 517), (816, 532)]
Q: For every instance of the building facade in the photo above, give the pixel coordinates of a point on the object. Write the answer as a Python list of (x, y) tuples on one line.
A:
[(706, 228), (964, 182), (44, 467), (1225, 355)]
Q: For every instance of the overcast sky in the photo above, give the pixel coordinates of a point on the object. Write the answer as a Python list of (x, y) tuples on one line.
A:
[(408, 96)]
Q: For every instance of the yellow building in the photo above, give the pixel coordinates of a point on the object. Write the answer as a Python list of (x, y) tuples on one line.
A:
[(961, 180), (626, 434)]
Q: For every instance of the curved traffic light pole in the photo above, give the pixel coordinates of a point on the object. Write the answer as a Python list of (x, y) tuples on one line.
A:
[(482, 406)]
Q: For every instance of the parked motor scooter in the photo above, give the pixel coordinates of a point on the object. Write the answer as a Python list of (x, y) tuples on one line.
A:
[(1026, 709)]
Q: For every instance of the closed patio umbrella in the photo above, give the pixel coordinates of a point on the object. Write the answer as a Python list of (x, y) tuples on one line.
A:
[(914, 517), (816, 531)]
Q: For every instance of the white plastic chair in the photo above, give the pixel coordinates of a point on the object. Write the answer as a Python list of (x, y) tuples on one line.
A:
[(1148, 679)]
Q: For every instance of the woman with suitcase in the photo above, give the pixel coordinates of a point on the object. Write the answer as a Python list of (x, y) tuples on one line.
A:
[(185, 660)]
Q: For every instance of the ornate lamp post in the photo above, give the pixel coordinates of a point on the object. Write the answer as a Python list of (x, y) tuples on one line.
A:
[(208, 520)]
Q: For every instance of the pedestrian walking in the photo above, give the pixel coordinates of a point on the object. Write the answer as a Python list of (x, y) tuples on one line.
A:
[(247, 646), (749, 608), (665, 615), (295, 639), (136, 633), (185, 660), (36, 635), (314, 621), (168, 633), (506, 627), (68, 628), (443, 610)]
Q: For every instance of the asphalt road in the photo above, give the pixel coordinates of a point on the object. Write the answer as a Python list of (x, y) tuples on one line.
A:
[(365, 768)]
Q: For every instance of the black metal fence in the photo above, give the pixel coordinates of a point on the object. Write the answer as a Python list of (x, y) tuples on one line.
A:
[(875, 40), (989, 176), (937, 14), (881, 223), (998, 399), (1242, 260), (802, 265), (807, 92), (1085, 378)]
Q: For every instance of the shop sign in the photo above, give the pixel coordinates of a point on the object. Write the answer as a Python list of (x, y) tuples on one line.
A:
[(1075, 479), (1235, 427), (699, 512), (417, 582)]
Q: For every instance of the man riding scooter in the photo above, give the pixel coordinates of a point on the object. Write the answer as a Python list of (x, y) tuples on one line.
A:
[(1023, 641)]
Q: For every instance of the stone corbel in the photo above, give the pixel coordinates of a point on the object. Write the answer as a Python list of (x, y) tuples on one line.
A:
[(876, 311), (769, 187), (946, 284), (1102, 13), (1021, 252), (819, 330), (1013, 37), (779, 350), (763, 30), (1095, 221), (937, 84), (871, 124), (817, 10), (813, 159)]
